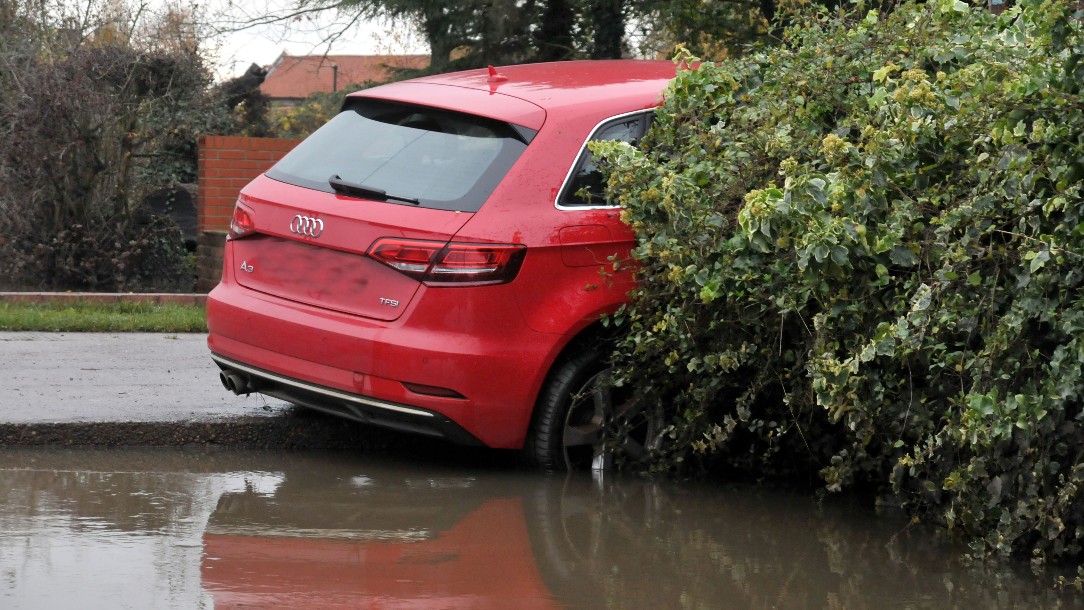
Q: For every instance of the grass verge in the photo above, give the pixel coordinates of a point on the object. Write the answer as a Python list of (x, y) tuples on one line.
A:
[(84, 316)]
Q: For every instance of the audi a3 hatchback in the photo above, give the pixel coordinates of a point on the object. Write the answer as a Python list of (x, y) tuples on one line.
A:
[(438, 256)]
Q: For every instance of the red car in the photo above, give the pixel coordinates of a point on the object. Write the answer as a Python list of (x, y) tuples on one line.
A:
[(438, 256)]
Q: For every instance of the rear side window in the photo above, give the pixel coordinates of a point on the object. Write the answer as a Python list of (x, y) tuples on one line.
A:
[(440, 159), (584, 186)]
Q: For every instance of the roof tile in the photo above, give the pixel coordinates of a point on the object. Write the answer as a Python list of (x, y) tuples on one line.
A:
[(297, 77)]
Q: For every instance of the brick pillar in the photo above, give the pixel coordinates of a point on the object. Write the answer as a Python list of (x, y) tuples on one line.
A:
[(226, 165), (209, 259)]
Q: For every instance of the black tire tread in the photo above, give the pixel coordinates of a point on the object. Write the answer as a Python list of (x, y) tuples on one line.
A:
[(544, 447)]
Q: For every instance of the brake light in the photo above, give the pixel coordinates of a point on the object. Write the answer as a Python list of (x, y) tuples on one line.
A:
[(437, 262), (244, 221)]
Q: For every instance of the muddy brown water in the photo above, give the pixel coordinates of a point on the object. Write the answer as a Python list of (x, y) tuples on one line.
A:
[(173, 528)]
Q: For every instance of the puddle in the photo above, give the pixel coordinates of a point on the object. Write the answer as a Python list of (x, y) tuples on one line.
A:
[(229, 529)]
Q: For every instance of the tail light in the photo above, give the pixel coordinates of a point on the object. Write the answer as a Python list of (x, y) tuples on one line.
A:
[(244, 221), (437, 262)]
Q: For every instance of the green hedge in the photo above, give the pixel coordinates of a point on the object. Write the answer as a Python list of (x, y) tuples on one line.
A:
[(861, 256)]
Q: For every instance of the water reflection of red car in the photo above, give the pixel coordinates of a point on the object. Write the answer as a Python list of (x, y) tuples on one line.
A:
[(484, 561), (293, 550), (327, 534), (304, 530)]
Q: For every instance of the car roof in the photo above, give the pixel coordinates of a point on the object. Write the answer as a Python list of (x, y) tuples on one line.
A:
[(526, 94)]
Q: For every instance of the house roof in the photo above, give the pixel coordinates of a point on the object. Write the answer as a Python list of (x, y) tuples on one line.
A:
[(297, 77)]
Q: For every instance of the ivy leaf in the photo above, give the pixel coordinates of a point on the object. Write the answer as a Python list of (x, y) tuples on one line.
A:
[(839, 255), (881, 74), (1039, 260), (902, 256)]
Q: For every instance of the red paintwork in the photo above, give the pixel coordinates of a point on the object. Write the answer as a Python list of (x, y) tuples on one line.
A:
[(492, 344), (484, 561)]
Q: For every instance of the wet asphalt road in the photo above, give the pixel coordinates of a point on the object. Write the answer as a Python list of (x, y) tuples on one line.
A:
[(112, 377), (145, 389)]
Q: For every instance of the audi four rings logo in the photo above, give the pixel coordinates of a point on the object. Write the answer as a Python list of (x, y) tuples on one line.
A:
[(306, 225)]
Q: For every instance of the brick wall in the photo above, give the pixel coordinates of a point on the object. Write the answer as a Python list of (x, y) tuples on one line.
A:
[(209, 253), (226, 163)]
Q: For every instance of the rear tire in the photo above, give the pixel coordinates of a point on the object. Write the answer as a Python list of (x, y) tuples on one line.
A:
[(580, 416)]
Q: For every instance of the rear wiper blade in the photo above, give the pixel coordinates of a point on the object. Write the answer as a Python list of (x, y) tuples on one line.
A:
[(353, 188)]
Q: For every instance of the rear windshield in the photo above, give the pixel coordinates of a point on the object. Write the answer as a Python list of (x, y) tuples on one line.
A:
[(444, 160)]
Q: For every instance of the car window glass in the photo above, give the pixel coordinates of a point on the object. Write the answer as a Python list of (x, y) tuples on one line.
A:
[(585, 186), (446, 160)]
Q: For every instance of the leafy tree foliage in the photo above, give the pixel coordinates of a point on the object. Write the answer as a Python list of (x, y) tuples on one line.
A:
[(313, 112), (707, 28), (475, 33), (248, 105), (862, 259), (95, 114)]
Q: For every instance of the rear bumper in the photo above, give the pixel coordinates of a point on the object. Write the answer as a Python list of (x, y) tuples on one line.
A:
[(370, 371), (351, 406)]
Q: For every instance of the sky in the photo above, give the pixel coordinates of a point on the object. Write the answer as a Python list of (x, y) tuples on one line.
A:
[(239, 45)]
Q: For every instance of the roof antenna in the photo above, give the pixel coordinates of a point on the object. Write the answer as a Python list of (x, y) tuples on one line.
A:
[(496, 77)]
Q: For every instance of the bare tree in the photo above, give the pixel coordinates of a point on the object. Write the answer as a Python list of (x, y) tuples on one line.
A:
[(90, 121)]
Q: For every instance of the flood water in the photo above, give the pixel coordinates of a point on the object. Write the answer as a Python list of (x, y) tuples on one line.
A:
[(234, 529)]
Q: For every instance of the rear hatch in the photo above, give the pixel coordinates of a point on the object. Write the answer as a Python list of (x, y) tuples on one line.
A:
[(378, 171)]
